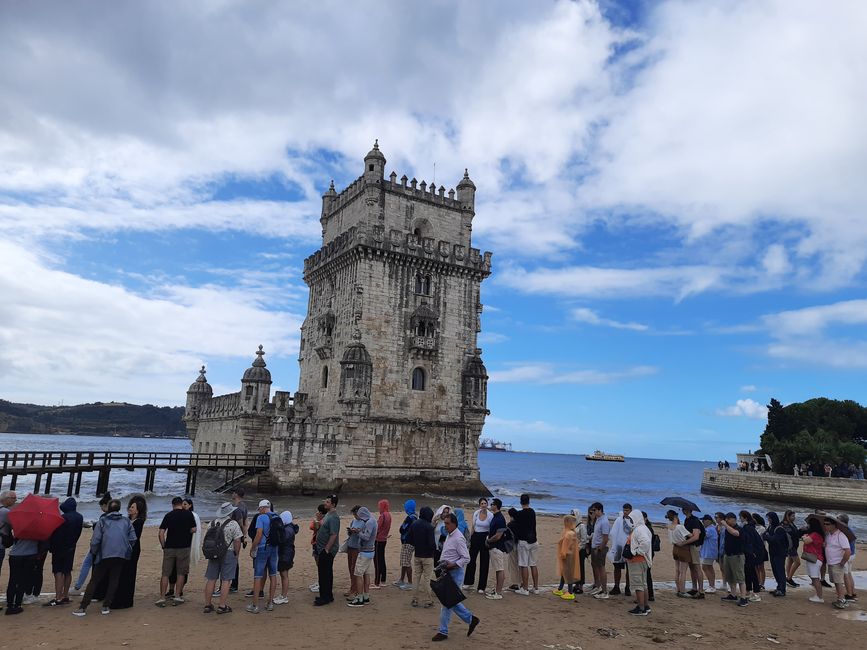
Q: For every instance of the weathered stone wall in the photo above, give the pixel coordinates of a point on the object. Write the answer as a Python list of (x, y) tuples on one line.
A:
[(817, 492)]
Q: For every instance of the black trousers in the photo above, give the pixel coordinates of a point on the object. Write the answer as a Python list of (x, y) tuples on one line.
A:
[(480, 557), (582, 556), (752, 577), (379, 572), (649, 585), (110, 568), (325, 569), (778, 566), (21, 570)]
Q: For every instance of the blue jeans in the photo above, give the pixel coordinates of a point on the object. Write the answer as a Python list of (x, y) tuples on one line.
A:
[(266, 558), (85, 569), (460, 609)]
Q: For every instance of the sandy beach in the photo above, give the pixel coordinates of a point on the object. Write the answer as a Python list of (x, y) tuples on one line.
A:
[(390, 622)]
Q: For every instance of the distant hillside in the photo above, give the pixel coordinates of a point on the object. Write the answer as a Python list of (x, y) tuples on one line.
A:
[(100, 418)]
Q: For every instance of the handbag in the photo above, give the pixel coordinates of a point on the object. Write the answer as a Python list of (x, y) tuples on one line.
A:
[(655, 543), (681, 553), (446, 590), (809, 557)]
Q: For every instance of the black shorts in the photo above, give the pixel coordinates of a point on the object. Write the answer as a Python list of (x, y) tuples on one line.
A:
[(619, 565), (62, 562), (284, 566)]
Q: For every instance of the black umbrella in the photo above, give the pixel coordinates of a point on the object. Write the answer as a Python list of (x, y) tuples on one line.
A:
[(680, 502)]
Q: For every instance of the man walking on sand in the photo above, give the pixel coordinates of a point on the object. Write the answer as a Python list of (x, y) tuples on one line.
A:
[(176, 537), (696, 537), (454, 557), (598, 551), (528, 547), (327, 543)]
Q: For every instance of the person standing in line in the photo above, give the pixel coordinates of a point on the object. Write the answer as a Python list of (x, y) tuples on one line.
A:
[(286, 556), (599, 551), (406, 551), (761, 572), (137, 510), (793, 561), (353, 546), (640, 545), (454, 557), (240, 516), (88, 558), (176, 536), (583, 546), (62, 547), (223, 568), (327, 543), (567, 559), (615, 554), (496, 543), (678, 535), (719, 518), (814, 555), (837, 559), (733, 564), (364, 563), (264, 551), (195, 549), (421, 538), (753, 547), (7, 500), (479, 555), (528, 547), (383, 528), (440, 533), (654, 547), (315, 523), (111, 547), (709, 552), (851, 596), (778, 548), (696, 537), (590, 523), (23, 558)]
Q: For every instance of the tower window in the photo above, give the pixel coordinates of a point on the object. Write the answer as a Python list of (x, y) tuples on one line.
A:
[(370, 168), (325, 377), (249, 392), (418, 379), (422, 284)]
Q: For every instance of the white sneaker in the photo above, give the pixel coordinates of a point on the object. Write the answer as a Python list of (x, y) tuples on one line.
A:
[(29, 599), (816, 599), (593, 591), (533, 590), (281, 600), (494, 596), (710, 590), (314, 587), (105, 611), (466, 587), (755, 598), (522, 592), (602, 595), (481, 591)]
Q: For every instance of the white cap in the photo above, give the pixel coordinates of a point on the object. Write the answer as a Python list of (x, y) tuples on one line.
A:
[(264, 503)]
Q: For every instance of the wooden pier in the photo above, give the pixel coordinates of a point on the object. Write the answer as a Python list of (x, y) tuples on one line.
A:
[(49, 464)]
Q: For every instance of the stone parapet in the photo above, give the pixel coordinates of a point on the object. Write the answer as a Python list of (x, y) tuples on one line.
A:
[(831, 494)]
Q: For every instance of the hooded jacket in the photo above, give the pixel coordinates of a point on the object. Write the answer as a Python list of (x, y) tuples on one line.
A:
[(383, 524), (367, 536), (642, 539), (421, 535), (776, 536), (616, 540), (286, 552), (409, 509), (113, 536), (64, 538)]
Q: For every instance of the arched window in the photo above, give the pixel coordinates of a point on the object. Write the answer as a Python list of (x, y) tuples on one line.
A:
[(418, 379), (426, 285), (325, 377), (422, 284)]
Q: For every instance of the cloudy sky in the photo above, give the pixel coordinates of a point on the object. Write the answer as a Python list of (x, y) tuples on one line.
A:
[(674, 192)]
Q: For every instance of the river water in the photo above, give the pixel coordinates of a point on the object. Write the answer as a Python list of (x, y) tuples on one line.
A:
[(555, 482)]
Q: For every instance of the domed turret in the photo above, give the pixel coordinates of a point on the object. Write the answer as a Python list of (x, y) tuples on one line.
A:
[(475, 383), (467, 192), (374, 164), (201, 386), (356, 374), (258, 372)]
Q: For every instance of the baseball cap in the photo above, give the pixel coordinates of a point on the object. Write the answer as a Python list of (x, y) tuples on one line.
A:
[(264, 503)]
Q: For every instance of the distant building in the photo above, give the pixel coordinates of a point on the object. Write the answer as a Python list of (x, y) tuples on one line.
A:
[(392, 389)]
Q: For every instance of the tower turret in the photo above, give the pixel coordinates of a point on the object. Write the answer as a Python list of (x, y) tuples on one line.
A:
[(199, 392), (256, 385), (467, 193), (374, 164)]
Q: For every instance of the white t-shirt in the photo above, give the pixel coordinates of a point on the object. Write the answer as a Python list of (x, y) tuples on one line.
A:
[(479, 525), (602, 527)]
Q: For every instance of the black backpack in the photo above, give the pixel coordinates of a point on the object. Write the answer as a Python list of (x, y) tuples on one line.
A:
[(276, 531), (214, 545)]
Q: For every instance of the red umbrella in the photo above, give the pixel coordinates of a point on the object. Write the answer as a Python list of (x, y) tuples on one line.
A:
[(35, 518)]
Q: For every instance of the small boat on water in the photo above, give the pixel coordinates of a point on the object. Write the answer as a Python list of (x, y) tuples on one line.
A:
[(611, 458)]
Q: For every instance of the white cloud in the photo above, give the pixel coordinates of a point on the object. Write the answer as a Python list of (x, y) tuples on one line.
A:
[(586, 315), (749, 388), (745, 408), (77, 339), (492, 338), (547, 373)]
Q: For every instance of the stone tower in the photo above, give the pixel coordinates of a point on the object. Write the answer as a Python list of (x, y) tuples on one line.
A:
[(392, 386)]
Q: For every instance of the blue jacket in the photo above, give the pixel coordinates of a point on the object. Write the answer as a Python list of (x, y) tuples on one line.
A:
[(113, 536), (66, 536), (710, 546)]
